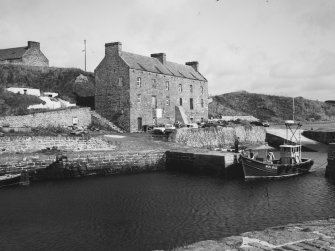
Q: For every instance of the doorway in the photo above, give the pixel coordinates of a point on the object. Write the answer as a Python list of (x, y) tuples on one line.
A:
[(139, 124)]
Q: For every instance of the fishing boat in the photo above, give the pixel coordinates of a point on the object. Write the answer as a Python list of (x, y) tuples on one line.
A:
[(260, 163), (9, 179)]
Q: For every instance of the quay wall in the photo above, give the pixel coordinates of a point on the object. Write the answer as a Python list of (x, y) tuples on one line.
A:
[(62, 117), (330, 168), (27, 144), (223, 164), (320, 136), (217, 137), (113, 162)]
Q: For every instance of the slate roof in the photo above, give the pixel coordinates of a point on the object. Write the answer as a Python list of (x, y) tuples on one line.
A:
[(151, 64), (12, 53)]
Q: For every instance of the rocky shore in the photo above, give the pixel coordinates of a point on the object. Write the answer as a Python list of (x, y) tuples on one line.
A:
[(311, 235)]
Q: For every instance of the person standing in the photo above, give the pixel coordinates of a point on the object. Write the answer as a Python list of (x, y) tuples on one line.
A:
[(237, 141)]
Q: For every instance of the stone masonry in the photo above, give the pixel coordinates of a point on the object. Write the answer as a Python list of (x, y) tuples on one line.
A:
[(134, 90), (30, 55)]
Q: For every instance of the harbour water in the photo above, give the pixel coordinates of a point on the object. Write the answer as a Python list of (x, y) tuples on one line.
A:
[(155, 210)]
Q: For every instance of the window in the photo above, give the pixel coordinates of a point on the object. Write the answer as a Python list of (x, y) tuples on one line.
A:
[(180, 101), (167, 85), (138, 81), (202, 120), (191, 120), (154, 85), (202, 103), (138, 98), (120, 81), (202, 89), (191, 88), (191, 103), (167, 102), (180, 88)]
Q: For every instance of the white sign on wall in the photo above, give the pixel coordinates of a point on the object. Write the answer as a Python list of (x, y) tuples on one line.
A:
[(159, 113)]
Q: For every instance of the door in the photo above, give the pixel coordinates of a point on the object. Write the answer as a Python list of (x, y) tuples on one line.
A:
[(139, 124)]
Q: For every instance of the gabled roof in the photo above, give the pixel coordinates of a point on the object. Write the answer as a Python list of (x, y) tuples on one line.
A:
[(151, 64), (12, 53)]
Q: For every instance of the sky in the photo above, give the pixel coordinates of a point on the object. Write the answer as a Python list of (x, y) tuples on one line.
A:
[(277, 47)]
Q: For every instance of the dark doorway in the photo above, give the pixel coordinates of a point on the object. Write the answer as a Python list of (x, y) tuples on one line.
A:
[(139, 124), (191, 103)]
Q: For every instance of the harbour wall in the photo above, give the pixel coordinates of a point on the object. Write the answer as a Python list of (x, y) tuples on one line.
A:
[(330, 169), (90, 162), (320, 136), (217, 163)]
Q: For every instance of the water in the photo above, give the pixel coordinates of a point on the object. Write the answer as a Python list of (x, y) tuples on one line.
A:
[(156, 210)]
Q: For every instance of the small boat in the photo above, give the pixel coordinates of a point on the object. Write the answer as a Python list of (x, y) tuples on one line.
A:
[(289, 163), (10, 179)]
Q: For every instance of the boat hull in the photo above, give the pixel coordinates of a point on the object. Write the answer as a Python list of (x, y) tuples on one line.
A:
[(254, 169)]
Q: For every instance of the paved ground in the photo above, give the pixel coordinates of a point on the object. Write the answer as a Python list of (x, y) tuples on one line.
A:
[(306, 142), (313, 235)]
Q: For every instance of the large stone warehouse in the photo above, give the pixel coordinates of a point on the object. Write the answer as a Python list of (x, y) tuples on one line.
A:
[(134, 90)]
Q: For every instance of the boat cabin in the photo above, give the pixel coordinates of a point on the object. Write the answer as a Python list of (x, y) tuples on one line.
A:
[(290, 154)]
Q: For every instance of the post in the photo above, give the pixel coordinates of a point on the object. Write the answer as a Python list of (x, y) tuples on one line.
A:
[(85, 53), (293, 108)]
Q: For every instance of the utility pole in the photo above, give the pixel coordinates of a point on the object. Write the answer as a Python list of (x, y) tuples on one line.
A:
[(293, 108), (85, 53)]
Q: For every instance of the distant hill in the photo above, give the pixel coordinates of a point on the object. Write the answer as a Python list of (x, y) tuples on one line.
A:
[(269, 107), (47, 79)]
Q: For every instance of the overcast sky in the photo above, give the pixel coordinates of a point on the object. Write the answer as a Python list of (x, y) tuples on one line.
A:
[(280, 47)]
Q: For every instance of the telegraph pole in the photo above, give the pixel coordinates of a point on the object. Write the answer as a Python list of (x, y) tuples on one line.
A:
[(85, 53), (293, 108)]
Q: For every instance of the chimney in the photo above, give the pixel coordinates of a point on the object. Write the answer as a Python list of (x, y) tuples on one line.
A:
[(194, 65), (113, 48), (32, 44), (160, 56)]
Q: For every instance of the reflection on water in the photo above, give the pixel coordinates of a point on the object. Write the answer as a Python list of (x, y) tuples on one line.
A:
[(155, 211)]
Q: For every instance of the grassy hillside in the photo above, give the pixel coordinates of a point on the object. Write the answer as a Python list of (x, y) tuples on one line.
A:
[(271, 108), (61, 80), (47, 79)]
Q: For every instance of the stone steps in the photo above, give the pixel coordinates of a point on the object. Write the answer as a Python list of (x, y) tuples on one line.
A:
[(105, 122)]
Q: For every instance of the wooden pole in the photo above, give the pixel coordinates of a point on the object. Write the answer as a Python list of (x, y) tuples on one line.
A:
[(85, 53)]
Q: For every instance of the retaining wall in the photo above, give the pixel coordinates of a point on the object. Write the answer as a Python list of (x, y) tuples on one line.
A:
[(320, 136), (113, 162), (50, 118), (26, 144), (204, 163), (330, 169)]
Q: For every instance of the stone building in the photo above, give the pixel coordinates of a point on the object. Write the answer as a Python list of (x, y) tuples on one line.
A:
[(134, 90), (28, 55)]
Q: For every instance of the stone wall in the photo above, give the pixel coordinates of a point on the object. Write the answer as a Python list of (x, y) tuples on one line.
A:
[(111, 96), (26, 144), (50, 118), (34, 57), (217, 137), (143, 108), (92, 162), (320, 136), (330, 169)]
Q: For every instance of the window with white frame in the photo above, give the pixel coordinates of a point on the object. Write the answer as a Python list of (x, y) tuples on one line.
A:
[(138, 98), (167, 85), (180, 87), (120, 81), (138, 81), (167, 101)]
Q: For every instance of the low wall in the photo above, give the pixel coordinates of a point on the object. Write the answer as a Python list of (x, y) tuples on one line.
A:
[(50, 118), (26, 144), (217, 137), (225, 165), (320, 136), (330, 169)]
